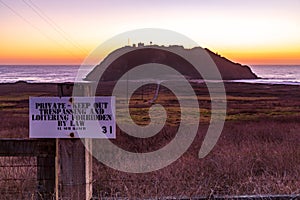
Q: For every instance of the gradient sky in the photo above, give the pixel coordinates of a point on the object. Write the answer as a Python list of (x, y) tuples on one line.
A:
[(65, 31)]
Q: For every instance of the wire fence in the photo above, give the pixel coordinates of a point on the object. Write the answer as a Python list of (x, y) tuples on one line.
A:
[(18, 177), (18, 180), (27, 169), (24, 174)]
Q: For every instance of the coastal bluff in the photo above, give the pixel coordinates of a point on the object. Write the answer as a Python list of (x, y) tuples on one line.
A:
[(113, 66), (230, 70)]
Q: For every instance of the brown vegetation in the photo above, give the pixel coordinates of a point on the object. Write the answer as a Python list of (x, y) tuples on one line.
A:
[(257, 153)]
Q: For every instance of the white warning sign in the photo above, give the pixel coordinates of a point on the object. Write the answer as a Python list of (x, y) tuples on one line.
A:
[(72, 117)]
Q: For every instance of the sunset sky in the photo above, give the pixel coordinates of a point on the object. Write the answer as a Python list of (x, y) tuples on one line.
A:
[(65, 31)]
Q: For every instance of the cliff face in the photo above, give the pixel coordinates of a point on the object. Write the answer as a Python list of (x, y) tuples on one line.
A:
[(126, 58), (230, 70)]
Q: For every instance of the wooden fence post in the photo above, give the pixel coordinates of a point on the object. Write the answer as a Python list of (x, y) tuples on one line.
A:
[(74, 162), (46, 176), (44, 150)]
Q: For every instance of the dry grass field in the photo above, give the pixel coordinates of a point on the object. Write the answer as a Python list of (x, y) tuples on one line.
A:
[(258, 151)]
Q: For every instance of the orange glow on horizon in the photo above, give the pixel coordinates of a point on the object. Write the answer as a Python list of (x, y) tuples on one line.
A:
[(57, 57), (41, 59), (264, 57), (246, 32), (40, 56)]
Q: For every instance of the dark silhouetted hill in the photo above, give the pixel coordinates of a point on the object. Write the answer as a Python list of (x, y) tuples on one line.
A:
[(230, 70), (126, 58)]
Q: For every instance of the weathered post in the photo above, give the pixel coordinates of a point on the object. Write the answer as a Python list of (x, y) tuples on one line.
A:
[(74, 162), (46, 175), (44, 150)]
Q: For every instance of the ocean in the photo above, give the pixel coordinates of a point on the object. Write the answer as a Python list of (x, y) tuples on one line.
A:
[(269, 74), (40, 73), (275, 74)]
